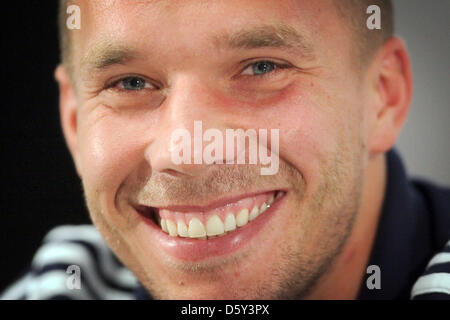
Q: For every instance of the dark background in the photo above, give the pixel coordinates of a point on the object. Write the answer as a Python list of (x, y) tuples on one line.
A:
[(40, 188)]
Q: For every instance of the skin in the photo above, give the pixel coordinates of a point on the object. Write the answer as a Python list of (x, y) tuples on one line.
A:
[(336, 123)]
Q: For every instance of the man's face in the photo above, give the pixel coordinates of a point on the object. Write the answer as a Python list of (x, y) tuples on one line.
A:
[(146, 68)]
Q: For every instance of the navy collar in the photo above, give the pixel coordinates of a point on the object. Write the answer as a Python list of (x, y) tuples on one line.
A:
[(402, 244), (141, 294)]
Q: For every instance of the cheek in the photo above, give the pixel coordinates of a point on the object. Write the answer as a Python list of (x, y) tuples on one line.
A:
[(318, 126), (314, 120), (111, 146), (312, 128)]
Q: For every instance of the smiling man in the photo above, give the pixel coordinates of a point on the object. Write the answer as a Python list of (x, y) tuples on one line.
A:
[(337, 92)]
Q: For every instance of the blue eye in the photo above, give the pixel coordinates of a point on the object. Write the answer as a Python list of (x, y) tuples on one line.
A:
[(132, 83), (263, 67), (259, 68)]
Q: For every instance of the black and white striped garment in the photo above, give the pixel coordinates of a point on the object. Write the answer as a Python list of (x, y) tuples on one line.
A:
[(435, 282), (103, 277)]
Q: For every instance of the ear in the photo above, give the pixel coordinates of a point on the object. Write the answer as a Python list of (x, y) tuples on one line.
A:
[(68, 106), (391, 78)]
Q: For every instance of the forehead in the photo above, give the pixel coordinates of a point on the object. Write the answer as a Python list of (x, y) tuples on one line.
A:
[(183, 25), (194, 12)]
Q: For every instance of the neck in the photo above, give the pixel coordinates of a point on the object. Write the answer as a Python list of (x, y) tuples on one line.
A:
[(344, 277)]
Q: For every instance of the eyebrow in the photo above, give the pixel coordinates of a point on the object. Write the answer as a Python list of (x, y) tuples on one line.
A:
[(275, 36), (108, 52)]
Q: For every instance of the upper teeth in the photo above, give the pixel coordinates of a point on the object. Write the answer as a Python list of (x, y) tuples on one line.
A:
[(214, 225)]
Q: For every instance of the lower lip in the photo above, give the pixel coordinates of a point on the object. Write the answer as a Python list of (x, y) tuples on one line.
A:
[(186, 249)]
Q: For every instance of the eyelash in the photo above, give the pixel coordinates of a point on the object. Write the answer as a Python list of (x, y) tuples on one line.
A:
[(114, 83), (277, 67)]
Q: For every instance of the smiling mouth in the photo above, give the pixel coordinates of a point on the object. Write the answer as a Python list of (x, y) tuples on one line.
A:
[(214, 222)]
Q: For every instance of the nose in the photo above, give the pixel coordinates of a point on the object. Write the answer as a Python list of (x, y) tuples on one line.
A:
[(185, 114)]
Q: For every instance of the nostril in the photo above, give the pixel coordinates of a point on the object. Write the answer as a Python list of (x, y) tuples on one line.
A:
[(173, 172)]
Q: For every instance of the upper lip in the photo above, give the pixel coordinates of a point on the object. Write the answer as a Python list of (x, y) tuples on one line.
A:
[(213, 204)]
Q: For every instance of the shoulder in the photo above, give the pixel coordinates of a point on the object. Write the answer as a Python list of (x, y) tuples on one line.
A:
[(435, 281), (69, 251), (437, 200)]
